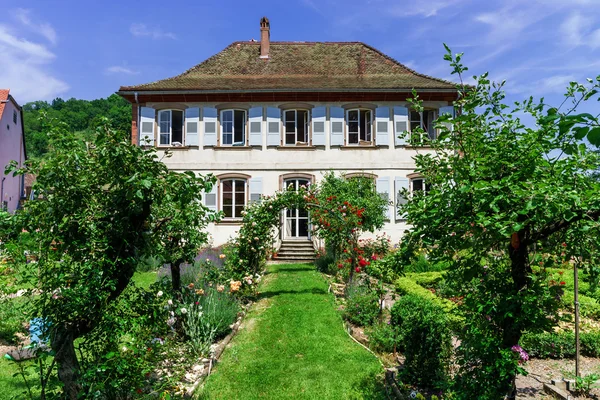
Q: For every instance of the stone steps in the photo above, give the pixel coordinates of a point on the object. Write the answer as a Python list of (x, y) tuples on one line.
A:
[(296, 251)]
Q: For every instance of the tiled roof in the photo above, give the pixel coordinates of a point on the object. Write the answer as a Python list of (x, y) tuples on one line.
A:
[(297, 66), (3, 98)]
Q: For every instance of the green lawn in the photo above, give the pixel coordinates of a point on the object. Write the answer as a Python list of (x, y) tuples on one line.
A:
[(144, 279), (293, 346), (10, 388)]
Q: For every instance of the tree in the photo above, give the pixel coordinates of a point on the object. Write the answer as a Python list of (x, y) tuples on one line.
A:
[(181, 221), (506, 202), (341, 210), (96, 217)]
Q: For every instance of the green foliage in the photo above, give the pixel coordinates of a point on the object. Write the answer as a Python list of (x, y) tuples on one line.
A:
[(80, 116), (102, 208), (13, 316), (505, 196), (407, 286), (325, 262), (208, 317), (383, 337), (588, 307), (561, 344), (362, 304), (424, 332), (423, 264), (428, 280), (584, 384)]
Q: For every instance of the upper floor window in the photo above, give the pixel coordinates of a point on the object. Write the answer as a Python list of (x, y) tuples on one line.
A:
[(233, 197), (14, 117), (233, 127), (360, 126), (296, 126), (170, 127), (424, 120), (419, 185)]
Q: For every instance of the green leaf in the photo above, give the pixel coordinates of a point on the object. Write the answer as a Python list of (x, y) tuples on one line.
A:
[(580, 132), (594, 136)]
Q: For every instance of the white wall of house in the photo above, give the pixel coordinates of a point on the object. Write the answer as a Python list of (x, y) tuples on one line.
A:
[(11, 148), (390, 162)]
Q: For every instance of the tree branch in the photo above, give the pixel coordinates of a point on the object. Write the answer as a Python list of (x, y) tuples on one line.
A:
[(545, 232)]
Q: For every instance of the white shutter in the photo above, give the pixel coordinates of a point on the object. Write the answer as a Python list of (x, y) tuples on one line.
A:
[(336, 117), (147, 116), (448, 125), (401, 184), (210, 198), (255, 190), (319, 119), (255, 118), (400, 125), (383, 188), (210, 126), (382, 123), (192, 121), (273, 126)]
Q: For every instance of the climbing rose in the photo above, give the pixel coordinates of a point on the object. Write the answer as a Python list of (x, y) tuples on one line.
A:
[(362, 262), (357, 269)]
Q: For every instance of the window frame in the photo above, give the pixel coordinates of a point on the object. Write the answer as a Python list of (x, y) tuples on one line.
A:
[(425, 186), (307, 125), (430, 132), (233, 203), (15, 118), (244, 141), (369, 125), (170, 134)]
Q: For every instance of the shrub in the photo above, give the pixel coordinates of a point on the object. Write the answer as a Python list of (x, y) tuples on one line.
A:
[(426, 279), (362, 305), (422, 264), (150, 264), (208, 318), (561, 344), (588, 307), (12, 318), (407, 286), (325, 262), (424, 330), (382, 337)]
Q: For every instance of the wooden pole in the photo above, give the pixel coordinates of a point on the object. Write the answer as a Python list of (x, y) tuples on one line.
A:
[(576, 290)]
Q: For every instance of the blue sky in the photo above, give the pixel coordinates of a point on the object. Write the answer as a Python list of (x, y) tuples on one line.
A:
[(87, 49)]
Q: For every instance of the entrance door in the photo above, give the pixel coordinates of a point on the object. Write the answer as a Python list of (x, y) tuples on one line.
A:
[(295, 220)]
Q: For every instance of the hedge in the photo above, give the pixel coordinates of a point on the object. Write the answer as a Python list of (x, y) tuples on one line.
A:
[(406, 285), (426, 279), (588, 307), (561, 344)]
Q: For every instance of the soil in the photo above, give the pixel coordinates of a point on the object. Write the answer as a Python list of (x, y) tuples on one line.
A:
[(543, 370)]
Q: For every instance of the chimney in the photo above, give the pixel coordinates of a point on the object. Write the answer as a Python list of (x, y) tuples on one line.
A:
[(265, 37)]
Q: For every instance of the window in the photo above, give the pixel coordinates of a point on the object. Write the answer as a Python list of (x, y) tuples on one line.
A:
[(233, 195), (170, 125), (296, 127), (419, 185), (14, 116), (424, 120), (233, 128), (360, 125)]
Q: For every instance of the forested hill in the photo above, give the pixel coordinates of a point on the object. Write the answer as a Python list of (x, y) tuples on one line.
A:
[(80, 115)]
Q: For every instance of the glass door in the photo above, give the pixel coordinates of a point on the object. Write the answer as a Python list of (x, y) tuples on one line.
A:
[(295, 220)]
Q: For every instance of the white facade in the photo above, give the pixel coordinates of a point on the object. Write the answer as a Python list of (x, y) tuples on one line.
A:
[(12, 147), (261, 161)]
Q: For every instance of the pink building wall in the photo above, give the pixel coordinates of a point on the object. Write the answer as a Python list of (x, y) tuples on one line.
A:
[(12, 147)]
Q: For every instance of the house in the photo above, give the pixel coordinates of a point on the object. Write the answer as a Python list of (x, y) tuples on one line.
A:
[(12, 147), (264, 115)]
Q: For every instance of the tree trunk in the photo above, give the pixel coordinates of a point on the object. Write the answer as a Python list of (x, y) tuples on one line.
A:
[(66, 359), (520, 268), (176, 276)]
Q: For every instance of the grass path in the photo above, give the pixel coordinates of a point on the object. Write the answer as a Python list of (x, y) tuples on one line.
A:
[(293, 346)]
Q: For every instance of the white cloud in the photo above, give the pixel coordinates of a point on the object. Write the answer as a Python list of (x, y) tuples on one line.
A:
[(121, 70), (24, 69), (577, 30), (550, 85), (44, 29), (420, 7), (155, 33)]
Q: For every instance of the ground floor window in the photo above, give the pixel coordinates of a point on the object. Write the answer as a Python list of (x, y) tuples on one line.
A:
[(233, 197)]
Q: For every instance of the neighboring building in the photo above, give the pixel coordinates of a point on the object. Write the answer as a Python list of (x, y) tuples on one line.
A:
[(265, 115), (12, 147)]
